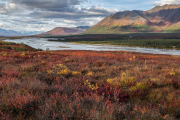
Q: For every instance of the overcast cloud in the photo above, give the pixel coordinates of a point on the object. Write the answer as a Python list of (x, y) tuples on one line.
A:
[(44, 15), (163, 2)]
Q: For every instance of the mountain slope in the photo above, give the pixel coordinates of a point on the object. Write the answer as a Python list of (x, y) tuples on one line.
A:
[(159, 19), (66, 31)]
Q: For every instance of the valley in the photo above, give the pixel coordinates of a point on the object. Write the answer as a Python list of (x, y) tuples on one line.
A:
[(106, 64)]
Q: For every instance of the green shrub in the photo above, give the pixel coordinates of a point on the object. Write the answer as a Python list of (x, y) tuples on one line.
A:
[(20, 49), (6, 47)]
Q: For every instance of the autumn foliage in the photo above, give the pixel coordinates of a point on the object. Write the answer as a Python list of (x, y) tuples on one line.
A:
[(87, 84)]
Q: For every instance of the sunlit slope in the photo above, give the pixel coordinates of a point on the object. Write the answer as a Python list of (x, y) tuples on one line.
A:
[(159, 19)]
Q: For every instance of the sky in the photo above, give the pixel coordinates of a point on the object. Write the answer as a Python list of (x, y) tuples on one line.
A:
[(44, 15)]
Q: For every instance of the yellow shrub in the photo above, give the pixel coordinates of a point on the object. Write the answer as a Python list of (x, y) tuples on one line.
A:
[(66, 59), (114, 81), (49, 71), (89, 73), (61, 69), (141, 85), (109, 80), (91, 86), (65, 71), (172, 72), (5, 54), (133, 88), (125, 79), (75, 72), (22, 55)]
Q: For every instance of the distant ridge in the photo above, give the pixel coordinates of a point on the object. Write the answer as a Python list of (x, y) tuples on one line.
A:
[(4, 32), (164, 19), (65, 31), (83, 27)]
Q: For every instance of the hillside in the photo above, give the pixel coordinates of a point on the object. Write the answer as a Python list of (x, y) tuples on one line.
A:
[(65, 31), (159, 19)]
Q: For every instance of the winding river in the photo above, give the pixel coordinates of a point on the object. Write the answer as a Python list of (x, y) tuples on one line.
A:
[(44, 44)]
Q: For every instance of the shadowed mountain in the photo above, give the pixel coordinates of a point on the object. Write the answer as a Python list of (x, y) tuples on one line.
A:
[(159, 19), (83, 27), (65, 31)]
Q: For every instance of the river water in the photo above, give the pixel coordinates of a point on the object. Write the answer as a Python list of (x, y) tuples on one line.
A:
[(44, 44)]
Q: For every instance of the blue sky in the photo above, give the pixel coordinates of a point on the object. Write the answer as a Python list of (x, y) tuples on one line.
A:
[(44, 15), (123, 4)]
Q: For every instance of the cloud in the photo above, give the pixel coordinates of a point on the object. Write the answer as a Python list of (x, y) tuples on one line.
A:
[(1, 24), (46, 14), (7, 8), (49, 5), (74, 13), (163, 2), (99, 9)]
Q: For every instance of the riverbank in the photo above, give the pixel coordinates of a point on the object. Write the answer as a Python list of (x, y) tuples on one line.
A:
[(44, 44), (11, 46), (2, 38), (13, 37), (146, 43)]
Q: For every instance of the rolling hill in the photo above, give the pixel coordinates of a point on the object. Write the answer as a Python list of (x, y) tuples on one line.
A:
[(165, 19), (65, 31)]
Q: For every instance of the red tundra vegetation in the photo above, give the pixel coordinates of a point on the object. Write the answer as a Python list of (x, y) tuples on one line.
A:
[(87, 84)]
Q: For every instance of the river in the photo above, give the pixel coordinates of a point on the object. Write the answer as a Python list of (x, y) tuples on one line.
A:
[(44, 44)]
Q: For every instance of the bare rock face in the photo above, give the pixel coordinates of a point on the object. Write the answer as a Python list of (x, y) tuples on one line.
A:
[(159, 19)]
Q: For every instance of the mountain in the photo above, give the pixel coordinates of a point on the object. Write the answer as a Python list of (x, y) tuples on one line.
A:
[(30, 32), (83, 27), (65, 31), (4, 32), (159, 19)]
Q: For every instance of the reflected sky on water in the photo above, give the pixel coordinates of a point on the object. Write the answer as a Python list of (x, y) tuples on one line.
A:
[(44, 44)]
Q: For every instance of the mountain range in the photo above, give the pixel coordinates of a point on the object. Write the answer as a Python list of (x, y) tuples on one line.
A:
[(4, 32), (164, 19), (160, 19), (65, 31)]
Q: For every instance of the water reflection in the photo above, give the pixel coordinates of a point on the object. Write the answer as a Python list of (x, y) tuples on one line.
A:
[(44, 44)]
